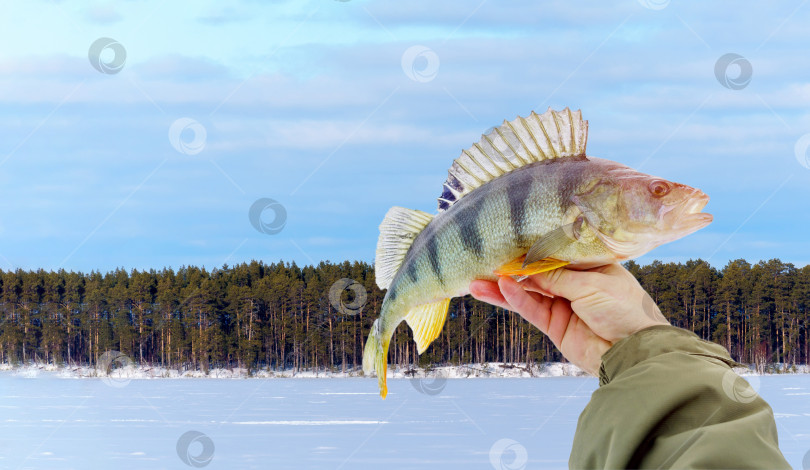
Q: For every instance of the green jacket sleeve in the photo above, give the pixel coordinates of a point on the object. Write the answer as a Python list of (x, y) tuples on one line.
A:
[(667, 399)]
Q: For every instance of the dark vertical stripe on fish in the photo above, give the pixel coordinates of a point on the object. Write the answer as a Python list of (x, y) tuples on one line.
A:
[(467, 221), (568, 179), (433, 255), (412, 270), (518, 194)]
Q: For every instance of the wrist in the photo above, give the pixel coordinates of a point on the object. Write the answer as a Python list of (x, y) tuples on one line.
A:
[(644, 325)]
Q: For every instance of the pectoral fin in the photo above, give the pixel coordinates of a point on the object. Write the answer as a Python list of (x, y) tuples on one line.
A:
[(516, 267), (426, 321), (553, 242)]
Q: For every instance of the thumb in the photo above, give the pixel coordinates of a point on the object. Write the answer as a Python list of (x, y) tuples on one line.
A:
[(567, 283)]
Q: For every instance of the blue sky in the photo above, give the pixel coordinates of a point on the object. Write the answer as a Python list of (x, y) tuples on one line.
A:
[(310, 104)]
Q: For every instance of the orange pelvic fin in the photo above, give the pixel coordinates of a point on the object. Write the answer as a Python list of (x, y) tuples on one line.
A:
[(515, 267)]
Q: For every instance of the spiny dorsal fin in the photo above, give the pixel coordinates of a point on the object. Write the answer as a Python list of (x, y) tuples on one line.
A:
[(553, 134), (397, 232)]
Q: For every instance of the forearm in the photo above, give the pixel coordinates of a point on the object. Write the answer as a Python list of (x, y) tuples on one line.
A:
[(668, 400)]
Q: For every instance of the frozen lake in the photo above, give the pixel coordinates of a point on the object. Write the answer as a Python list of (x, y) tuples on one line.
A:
[(49, 422)]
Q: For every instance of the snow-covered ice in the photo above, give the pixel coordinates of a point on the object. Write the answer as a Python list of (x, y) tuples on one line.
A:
[(49, 421)]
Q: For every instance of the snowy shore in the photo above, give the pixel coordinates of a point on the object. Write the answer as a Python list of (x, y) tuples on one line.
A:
[(486, 370), (133, 371)]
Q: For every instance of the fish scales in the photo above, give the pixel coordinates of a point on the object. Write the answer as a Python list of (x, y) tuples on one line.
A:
[(528, 201)]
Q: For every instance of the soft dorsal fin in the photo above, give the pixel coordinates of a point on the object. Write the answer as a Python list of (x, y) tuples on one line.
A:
[(513, 144), (397, 232)]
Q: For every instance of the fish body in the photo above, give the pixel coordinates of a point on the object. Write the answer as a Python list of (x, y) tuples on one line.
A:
[(525, 199)]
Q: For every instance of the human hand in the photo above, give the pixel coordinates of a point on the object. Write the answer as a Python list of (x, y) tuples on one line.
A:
[(582, 312)]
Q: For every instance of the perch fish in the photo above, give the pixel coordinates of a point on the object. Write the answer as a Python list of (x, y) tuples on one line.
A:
[(523, 200)]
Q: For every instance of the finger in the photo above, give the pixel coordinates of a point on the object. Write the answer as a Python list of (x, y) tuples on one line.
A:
[(540, 298), (530, 286), (488, 291), (534, 308), (559, 320), (569, 283)]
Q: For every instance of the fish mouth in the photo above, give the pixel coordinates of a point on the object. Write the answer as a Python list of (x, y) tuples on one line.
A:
[(690, 218)]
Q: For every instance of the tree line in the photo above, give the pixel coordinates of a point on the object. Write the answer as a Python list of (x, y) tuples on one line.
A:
[(282, 316)]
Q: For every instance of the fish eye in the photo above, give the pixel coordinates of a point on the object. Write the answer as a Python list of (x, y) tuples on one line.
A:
[(659, 188)]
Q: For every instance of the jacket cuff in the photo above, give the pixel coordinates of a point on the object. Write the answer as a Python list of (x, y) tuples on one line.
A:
[(654, 341)]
